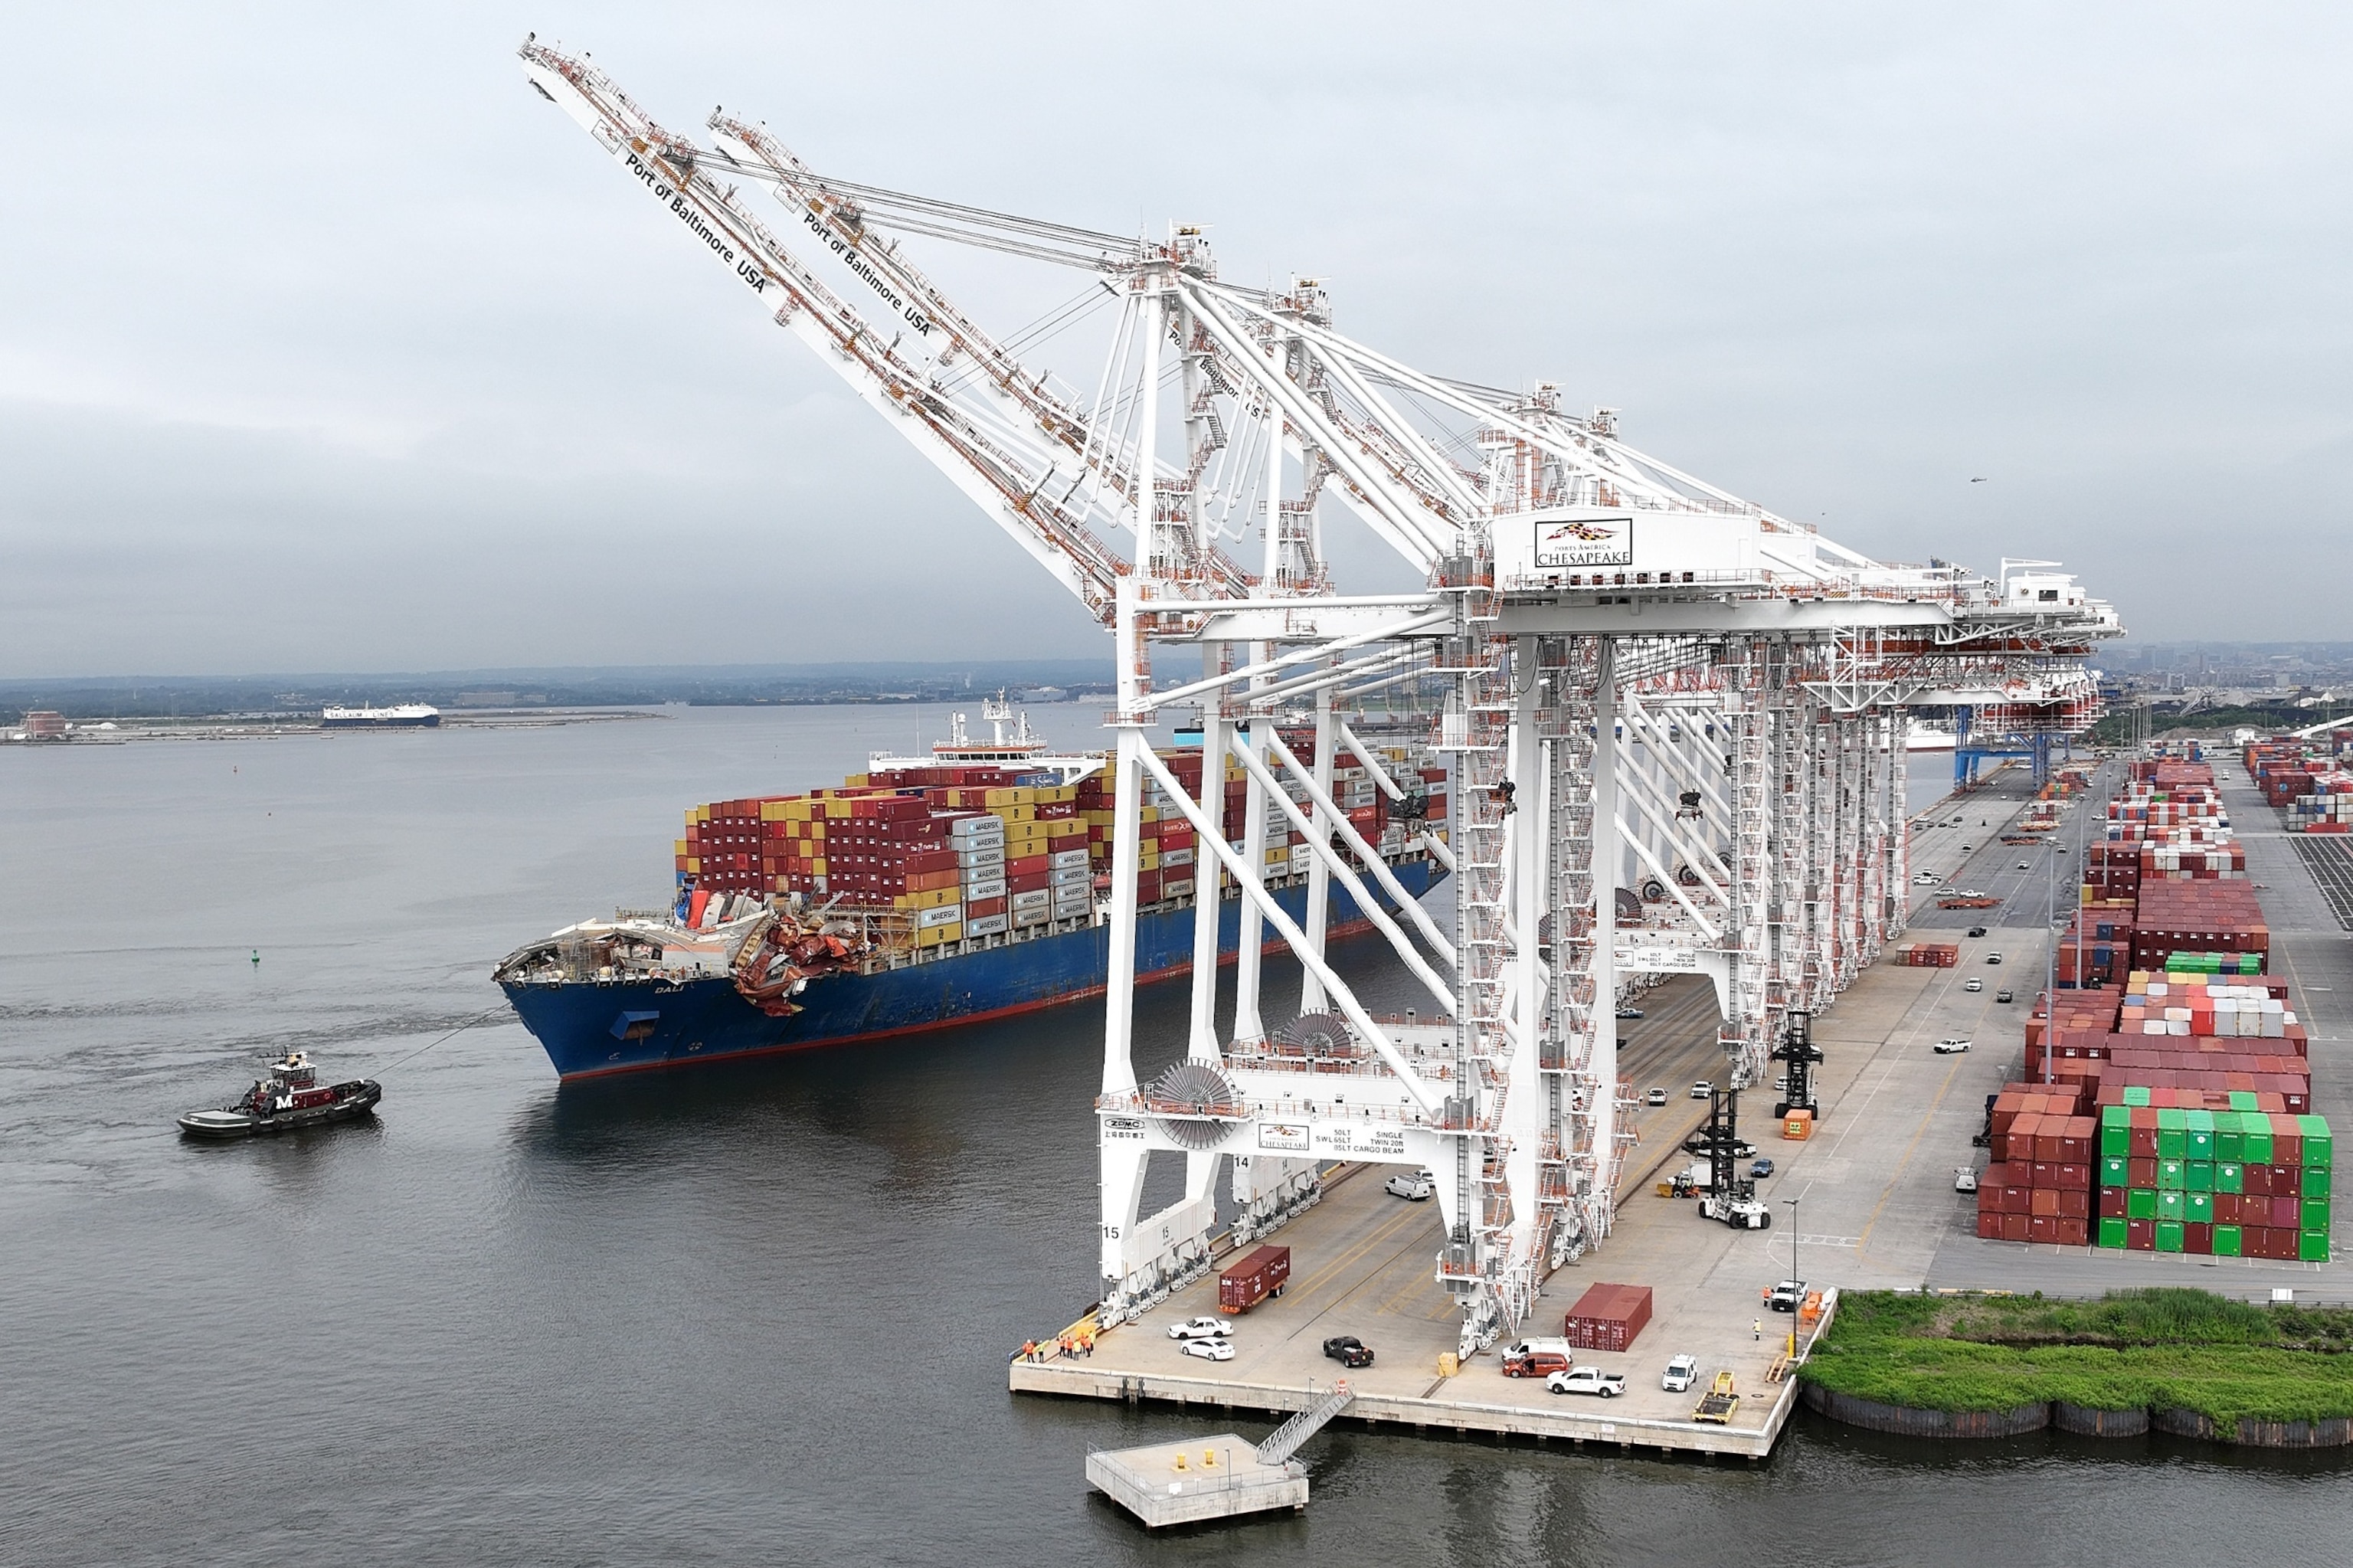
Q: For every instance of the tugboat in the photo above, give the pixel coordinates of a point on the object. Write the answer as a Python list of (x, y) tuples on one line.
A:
[(289, 1098)]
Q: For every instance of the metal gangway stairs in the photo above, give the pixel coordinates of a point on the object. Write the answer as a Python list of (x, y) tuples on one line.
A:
[(1292, 1435)]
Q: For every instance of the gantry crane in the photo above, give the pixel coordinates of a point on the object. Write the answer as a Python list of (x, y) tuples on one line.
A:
[(1676, 721)]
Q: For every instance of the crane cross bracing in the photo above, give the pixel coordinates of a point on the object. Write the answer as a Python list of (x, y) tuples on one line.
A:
[(1673, 722)]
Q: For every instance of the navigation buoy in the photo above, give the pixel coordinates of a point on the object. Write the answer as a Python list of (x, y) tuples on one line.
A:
[(257, 958)]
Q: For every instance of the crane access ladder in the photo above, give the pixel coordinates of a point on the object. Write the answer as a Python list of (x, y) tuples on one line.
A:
[(1292, 1435)]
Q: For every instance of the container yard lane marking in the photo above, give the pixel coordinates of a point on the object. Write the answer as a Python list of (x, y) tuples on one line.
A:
[(1348, 1255)]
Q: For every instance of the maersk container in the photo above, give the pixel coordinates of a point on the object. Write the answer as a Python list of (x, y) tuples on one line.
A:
[(1253, 1279)]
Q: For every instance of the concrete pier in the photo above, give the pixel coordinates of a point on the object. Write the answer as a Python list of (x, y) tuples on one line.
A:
[(1876, 1205)]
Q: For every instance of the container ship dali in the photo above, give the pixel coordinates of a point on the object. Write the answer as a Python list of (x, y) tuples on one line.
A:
[(924, 894)]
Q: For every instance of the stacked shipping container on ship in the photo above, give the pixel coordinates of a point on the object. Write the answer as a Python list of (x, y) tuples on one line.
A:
[(961, 852)]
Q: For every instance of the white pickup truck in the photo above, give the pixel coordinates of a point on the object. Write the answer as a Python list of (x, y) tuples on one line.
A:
[(1587, 1380)]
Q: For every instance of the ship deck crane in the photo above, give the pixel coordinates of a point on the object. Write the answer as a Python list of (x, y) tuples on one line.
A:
[(1649, 681)]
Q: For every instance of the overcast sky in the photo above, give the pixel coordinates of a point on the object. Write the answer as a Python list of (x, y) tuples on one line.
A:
[(325, 344)]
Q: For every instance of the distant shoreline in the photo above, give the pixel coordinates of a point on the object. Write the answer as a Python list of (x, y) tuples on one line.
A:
[(124, 731)]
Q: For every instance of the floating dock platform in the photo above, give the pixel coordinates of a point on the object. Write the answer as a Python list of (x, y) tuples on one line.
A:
[(1198, 1479)]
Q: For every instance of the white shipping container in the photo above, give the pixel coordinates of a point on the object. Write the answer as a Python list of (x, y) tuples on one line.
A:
[(982, 855), (976, 827), (1072, 876), (942, 914), (992, 888), (1177, 857), (1183, 889), (1023, 918), (987, 926), (1070, 857), (1036, 899)]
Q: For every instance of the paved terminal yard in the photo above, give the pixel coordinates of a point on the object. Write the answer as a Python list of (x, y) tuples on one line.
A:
[(1875, 1204)]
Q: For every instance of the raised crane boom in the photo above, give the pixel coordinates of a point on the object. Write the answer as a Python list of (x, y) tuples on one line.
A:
[(1000, 437)]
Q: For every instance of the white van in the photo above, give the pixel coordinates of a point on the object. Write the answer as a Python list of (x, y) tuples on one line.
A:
[(1414, 1186)]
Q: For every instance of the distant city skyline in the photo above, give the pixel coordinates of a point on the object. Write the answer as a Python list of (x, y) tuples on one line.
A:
[(437, 393)]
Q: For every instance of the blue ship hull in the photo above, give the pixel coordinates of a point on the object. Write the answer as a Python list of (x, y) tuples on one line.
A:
[(593, 1027)]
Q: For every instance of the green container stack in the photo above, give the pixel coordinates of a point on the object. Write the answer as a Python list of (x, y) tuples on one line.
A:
[(2232, 1183), (2214, 963)]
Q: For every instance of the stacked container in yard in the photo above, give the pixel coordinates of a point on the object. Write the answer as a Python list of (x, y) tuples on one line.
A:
[(2039, 1187), (2226, 1183), (1607, 1316), (2197, 918), (1929, 955), (2096, 947), (2326, 807)]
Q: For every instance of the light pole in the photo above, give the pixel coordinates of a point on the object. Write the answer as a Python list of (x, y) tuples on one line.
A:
[(1796, 1278)]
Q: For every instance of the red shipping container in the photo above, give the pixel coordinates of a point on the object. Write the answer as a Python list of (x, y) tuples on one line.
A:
[(1989, 1225), (2140, 1235), (2142, 1173), (1257, 1277), (1607, 1316), (2014, 1227), (2112, 1203), (2074, 1205), (2042, 1228), (2043, 1202), (2199, 1238), (2075, 1233)]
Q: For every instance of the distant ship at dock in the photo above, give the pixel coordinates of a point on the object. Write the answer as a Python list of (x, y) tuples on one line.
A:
[(407, 715)]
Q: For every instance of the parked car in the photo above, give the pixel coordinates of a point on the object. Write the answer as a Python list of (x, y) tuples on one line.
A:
[(1965, 1179), (1209, 1349), (1781, 1084), (1680, 1374), (1973, 984), (1993, 958), (1349, 1351), (1630, 1012), (1413, 1186), (1588, 1380), (1759, 1169), (1702, 1089), (2003, 995), (1200, 1329), (1951, 1047), (1787, 1296), (1656, 1097), (1977, 930), (1924, 879), (2024, 865)]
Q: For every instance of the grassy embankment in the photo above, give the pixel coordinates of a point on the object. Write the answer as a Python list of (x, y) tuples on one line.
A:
[(2132, 1349)]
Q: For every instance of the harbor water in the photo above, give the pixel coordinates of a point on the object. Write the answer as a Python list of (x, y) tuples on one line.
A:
[(750, 1312)]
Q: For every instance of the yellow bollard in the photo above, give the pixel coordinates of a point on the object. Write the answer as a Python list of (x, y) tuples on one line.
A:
[(1181, 1459), (1208, 1458)]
